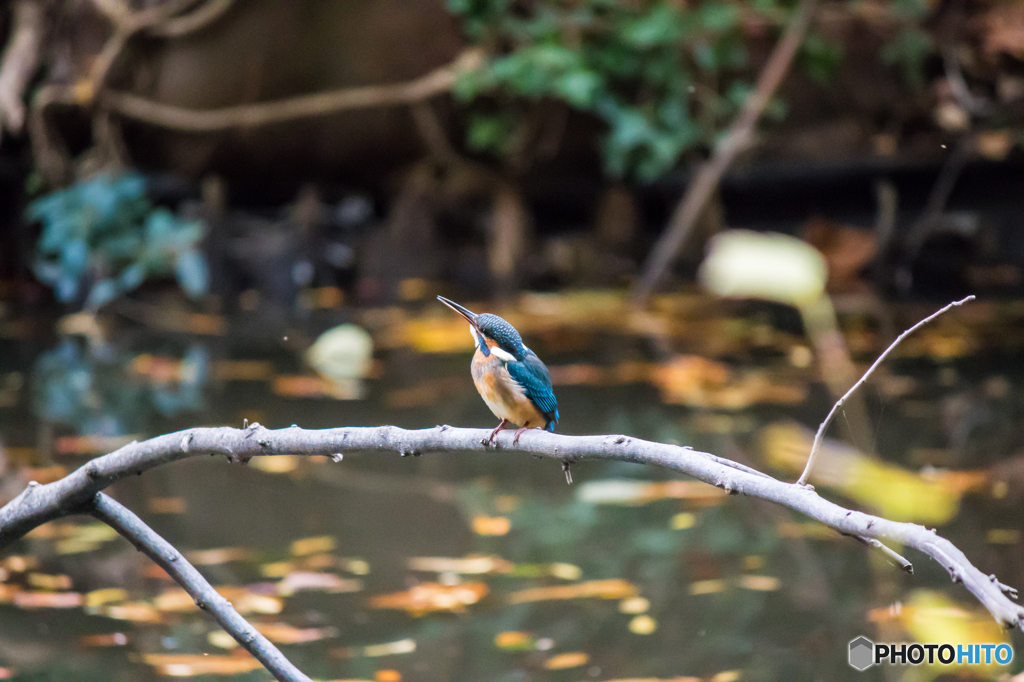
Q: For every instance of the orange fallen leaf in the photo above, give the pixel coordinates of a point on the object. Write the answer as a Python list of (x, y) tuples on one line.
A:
[(112, 639), (431, 597), (186, 665), (491, 525), (602, 589), (166, 505), (572, 659)]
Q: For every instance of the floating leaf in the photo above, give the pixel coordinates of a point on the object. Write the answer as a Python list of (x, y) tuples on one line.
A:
[(431, 597)]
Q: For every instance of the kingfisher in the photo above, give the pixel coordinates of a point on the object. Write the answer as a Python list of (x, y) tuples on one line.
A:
[(510, 377)]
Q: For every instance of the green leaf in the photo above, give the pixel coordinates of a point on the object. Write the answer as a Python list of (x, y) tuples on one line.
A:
[(579, 88), (820, 58)]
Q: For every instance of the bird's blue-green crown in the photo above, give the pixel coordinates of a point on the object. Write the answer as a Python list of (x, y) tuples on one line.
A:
[(506, 336)]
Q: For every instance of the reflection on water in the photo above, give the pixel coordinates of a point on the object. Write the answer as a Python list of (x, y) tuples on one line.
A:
[(471, 567)]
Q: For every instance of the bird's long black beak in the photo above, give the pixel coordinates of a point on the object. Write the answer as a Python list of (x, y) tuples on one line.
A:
[(470, 316)]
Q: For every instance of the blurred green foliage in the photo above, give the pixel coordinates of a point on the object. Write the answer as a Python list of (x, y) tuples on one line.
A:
[(665, 77), (104, 237), (662, 77)]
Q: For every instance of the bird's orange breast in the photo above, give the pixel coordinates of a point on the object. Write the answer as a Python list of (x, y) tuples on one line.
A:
[(503, 394)]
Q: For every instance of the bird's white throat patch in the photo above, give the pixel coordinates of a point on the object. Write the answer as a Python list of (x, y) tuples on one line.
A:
[(503, 355)]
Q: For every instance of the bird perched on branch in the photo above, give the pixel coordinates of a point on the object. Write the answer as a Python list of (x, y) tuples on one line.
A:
[(510, 377)]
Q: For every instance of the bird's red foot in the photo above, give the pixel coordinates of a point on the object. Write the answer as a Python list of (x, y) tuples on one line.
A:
[(515, 441), (490, 441)]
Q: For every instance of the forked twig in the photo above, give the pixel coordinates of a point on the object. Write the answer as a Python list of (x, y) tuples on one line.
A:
[(818, 437)]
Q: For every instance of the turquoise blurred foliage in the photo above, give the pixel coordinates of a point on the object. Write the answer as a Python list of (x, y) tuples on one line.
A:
[(104, 237), (96, 394)]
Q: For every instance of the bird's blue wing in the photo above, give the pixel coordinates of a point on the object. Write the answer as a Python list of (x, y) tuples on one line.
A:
[(533, 376)]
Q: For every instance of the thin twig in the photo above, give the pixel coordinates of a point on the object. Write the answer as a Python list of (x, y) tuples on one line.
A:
[(163, 553), (195, 20), (896, 558), (737, 138), (818, 437), (72, 494), (20, 61), (436, 82)]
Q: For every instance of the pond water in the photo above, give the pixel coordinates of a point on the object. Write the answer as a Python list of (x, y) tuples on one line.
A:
[(471, 567)]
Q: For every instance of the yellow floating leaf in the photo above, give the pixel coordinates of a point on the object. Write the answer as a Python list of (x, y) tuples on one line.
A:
[(277, 569), (760, 583), (412, 288), (1002, 536), (930, 616), (447, 334), (49, 582), (806, 529), (356, 566), (106, 596), (725, 676), (713, 586), (402, 646), (634, 605), (893, 492), (572, 659), (565, 571), (643, 625), (250, 602), (315, 545), (221, 639), (683, 520), (174, 599), (515, 641), (278, 464)]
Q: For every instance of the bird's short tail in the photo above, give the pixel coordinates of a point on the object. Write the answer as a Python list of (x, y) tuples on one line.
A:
[(550, 426)]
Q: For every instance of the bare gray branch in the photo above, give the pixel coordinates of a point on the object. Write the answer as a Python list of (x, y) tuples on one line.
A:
[(146, 540), (38, 504)]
